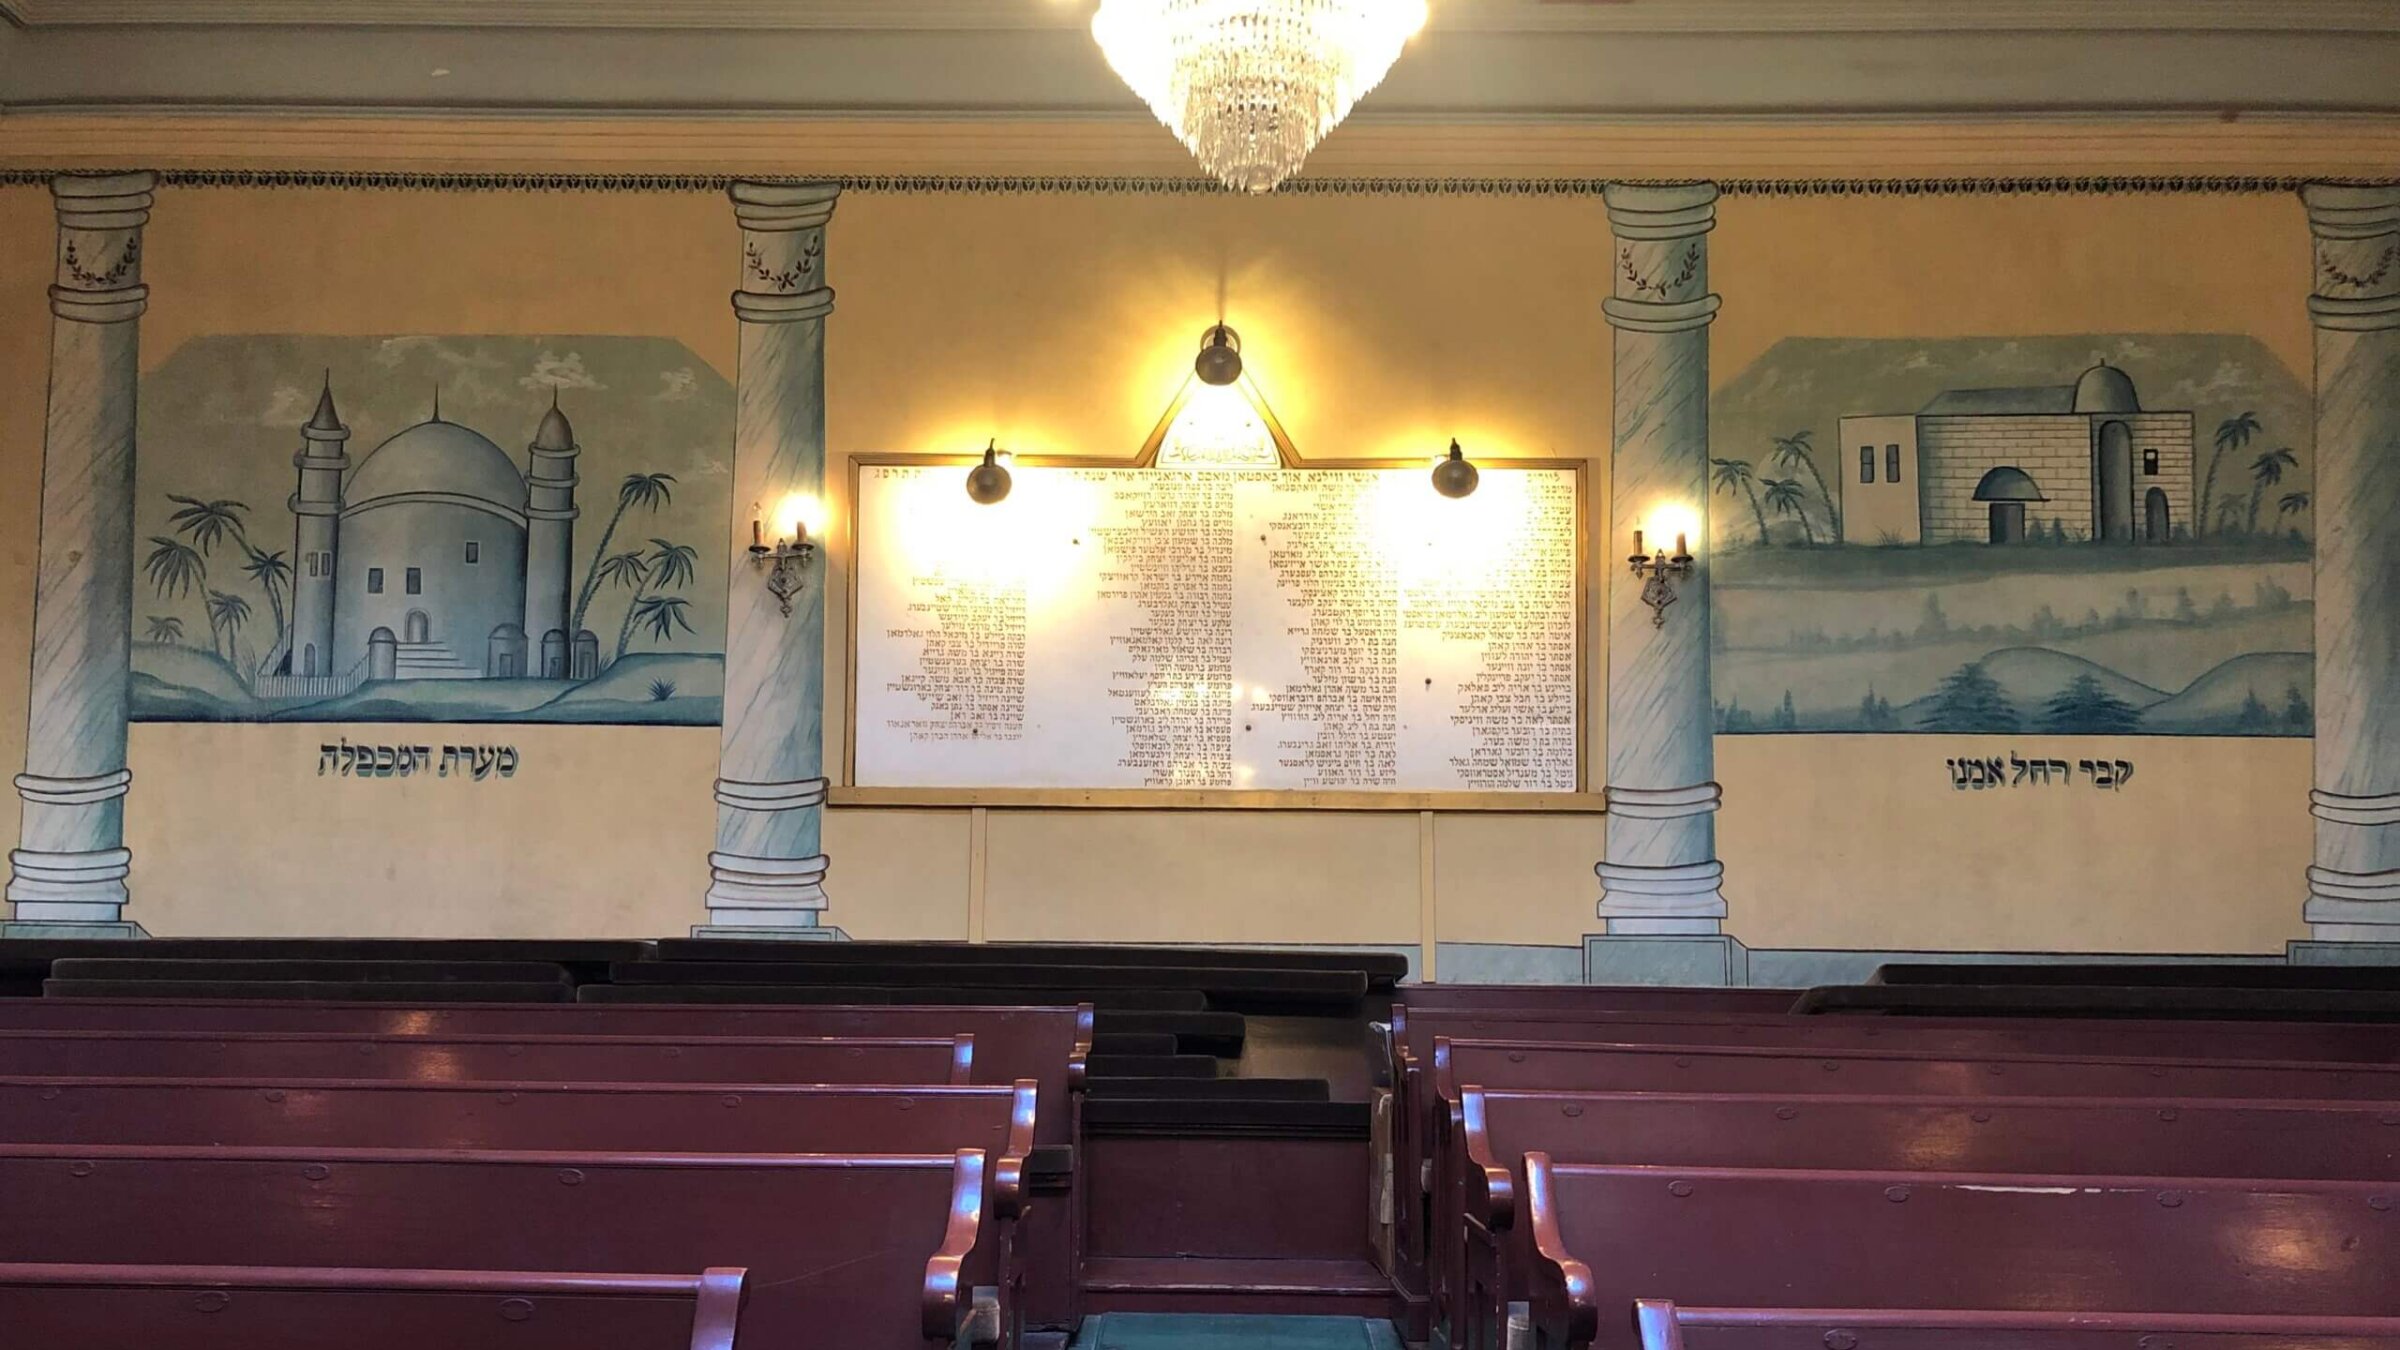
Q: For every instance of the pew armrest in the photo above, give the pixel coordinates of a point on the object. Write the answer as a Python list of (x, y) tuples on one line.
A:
[(719, 1314), (944, 1304), (1079, 1058), (1566, 1311), (1491, 1190), (1655, 1319), (1008, 1170)]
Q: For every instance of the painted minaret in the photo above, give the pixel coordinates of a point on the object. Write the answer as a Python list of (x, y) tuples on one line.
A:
[(550, 513), (316, 534)]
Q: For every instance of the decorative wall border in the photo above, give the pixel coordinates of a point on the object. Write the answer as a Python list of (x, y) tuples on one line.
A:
[(1122, 185)]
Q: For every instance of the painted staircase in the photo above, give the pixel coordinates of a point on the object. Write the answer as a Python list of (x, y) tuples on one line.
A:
[(431, 661)]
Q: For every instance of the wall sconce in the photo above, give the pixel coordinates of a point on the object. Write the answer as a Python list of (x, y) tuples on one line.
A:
[(786, 560), (988, 483), (1658, 591), (1455, 476)]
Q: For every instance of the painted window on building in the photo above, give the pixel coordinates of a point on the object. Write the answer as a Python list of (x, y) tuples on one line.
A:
[(374, 581), (416, 581), (2149, 464), (1866, 464), (1891, 463), (474, 551)]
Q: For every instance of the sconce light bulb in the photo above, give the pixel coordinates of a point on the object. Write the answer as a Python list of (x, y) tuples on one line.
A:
[(1455, 476), (988, 483), (1220, 359)]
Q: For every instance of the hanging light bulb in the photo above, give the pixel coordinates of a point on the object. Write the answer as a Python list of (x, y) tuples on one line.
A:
[(988, 483), (1455, 476), (1251, 86)]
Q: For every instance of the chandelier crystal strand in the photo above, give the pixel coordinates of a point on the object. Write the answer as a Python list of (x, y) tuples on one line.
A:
[(1251, 86)]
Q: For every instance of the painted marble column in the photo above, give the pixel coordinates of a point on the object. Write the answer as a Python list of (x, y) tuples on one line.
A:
[(2354, 889), (768, 870), (69, 874), (1662, 873)]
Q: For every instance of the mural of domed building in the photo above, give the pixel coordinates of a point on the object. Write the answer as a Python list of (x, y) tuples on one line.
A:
[(454, 550), (437, 559)]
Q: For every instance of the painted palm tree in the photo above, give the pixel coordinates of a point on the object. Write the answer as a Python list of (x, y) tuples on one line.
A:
[(174, 568), (651, 492), (662, 615), (1798, 451), (1734, 474), (274, 576), (2229, 513), (227, 613), (164, 629), (1789, 498), (209, 523), (2265, 472), (2292, 504), (2232, 434), (669, 567)]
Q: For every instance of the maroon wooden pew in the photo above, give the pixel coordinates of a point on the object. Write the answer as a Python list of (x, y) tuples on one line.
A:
[(563, 1059), (579, 1117), (1048, 1045), (842, 1249), (1484, 1252), (111, 1307), (1608, 1236), (1595, 997), (1669, 1326), (1415, 1030)]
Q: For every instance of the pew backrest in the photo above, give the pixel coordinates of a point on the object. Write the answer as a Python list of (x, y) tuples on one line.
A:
[(575, 1117), (1049, 1045), (1607, 1236), (852, 1250), (109, 1307), (586, 1059), (1669, 1326)]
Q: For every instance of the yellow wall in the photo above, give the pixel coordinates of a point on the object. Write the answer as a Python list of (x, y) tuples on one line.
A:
[(1376, 325)]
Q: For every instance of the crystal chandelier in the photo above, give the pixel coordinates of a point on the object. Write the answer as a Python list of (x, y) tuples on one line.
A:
[(1251, 86)]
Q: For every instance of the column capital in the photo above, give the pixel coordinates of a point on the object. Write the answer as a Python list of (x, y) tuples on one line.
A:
[(103, 201), (1661, 210), (778, 207), (2356, 282), (2345, 211)]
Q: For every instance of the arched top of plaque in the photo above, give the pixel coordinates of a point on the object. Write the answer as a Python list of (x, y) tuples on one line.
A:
[(1225, 426)]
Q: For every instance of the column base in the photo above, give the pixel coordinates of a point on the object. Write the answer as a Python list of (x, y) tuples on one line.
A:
[(1661, 901), (766, 933), (782, 895), (68, 887), (2353, 906), (51, 930), (1692, 962)]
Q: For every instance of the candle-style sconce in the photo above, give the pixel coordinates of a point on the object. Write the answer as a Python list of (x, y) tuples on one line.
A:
[(1660, 572), (785, 561)]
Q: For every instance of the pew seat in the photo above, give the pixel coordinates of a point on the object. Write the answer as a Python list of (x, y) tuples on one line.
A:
[(113, 1307), (1670, 1326)]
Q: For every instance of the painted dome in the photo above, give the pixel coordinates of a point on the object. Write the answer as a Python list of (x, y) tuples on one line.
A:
[(2008, 484), (2106, 389), (439, 457)]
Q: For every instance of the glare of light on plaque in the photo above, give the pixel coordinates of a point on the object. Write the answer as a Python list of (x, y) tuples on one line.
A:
[(1218, 429), (1031, 539), (1459, 544)]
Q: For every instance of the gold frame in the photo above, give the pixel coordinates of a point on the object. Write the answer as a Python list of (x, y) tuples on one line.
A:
[(1583, 800)]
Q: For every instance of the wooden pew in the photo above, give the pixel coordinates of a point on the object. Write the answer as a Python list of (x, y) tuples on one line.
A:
[(1382, 969), (1483, 1252), (1669, 1326), (842, 1250), (1593, 998), (1048, 1045), (578, 1117), (1243, 987), (562, 1059), (111, 1307), (2149, 1001), (1608, 1236)]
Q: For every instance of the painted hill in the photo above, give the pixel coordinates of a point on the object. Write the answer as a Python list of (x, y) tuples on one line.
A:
[(175, 683), (2032, 676), (2212, 704), (629, 693)]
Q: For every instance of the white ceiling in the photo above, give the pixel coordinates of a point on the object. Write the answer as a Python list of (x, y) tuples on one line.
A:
[(1544, 60)]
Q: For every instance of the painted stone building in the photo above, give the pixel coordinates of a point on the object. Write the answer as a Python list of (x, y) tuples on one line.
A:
[(2002, 465), (437, 558)]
